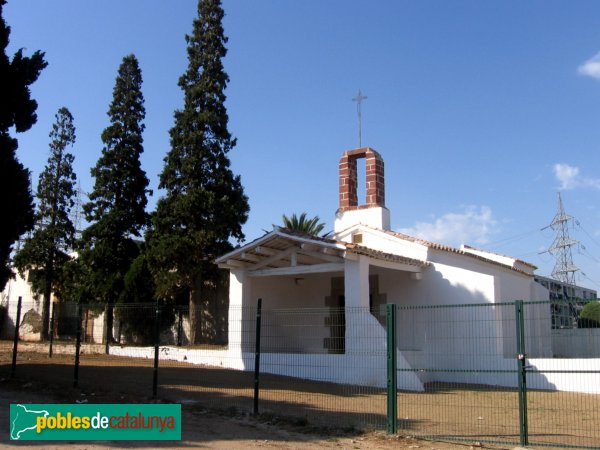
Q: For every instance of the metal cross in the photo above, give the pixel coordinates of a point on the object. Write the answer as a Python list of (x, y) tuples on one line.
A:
[(358, 99)]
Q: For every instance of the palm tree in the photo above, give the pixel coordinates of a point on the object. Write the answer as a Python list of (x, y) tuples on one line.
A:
[(302, 224)]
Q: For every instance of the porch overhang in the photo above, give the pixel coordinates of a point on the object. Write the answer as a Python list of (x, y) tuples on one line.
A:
[(286, 253)]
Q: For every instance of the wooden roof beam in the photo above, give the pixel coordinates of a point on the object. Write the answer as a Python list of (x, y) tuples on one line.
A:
[(298, 270), (276, 257), (251, 257), (265, 250), (320, 255)]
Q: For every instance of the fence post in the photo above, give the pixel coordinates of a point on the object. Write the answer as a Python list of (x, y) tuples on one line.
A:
[(522, 373), (16, 339), (77, 347), (257, 356), (156, 349), (106, 340), (392, 372), (52, 324)]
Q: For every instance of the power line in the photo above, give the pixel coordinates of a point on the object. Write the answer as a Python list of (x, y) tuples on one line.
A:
[(583, 251), (511, 239), (590, 280), (588, 234)]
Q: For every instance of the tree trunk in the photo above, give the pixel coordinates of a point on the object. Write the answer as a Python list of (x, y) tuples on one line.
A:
[(196, 312), (49, 275), (209, 303), (45, 335)]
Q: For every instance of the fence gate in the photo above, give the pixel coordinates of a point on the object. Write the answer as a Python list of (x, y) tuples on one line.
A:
[(488, 374)]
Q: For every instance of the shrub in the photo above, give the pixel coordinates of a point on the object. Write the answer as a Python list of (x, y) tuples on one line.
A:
[(590, 315)]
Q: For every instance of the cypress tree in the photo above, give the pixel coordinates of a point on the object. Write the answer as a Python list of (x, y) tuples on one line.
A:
[(116, 209), (204, 204), (17, 109), (44, 253)]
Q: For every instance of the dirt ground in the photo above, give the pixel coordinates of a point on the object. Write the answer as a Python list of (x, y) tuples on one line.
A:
[(295, 413), (206, 429)]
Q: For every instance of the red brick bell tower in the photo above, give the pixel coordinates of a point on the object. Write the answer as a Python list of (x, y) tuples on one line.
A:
[(373, 212), (349, 179)]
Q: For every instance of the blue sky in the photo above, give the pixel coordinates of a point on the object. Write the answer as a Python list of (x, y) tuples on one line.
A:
[(482, 111)]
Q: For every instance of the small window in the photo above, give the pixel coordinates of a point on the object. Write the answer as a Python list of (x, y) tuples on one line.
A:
[(357, 238)]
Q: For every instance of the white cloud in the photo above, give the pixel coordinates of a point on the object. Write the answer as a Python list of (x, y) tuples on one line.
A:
[(591, 67), (569, 177), (473, 225)]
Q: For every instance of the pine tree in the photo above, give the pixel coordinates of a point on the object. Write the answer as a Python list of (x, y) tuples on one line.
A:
[(204, 205), (17, 109), (45, 252), (116, 209)]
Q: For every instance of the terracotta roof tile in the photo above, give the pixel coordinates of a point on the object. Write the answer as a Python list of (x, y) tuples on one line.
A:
[(448, 248), (366, 251)]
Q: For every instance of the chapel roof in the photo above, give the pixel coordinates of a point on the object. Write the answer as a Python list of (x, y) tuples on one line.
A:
[(455, 250), (275, 249)]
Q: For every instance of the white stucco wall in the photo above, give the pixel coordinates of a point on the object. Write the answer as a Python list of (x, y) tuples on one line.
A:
[(370, 370), (240, 315), (432, 330), (469, 337), (97, 329), (558, 377), (302, 291), (294, 327), (576, 342), (507, 260), (384, 242), (290, 322), (376, 217), (14, 289)]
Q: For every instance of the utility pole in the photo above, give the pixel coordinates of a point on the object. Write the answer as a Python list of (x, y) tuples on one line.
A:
[(564, 268)]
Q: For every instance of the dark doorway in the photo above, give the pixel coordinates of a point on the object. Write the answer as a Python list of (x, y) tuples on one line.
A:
[(335, 321), (337, 326)]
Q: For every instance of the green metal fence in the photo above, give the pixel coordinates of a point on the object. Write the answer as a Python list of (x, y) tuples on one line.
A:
[(563, 378), (491, 373), (317, 369)]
